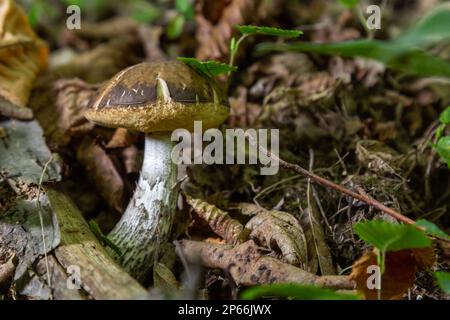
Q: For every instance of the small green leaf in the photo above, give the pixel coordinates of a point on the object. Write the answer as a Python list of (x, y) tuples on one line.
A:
[(185, 7), (252, 30), (349, 3), (404, 53), (295, 291), (144, 12), (443, 279), (388, 236), (445, 116), (102, 238), (431, 29), (439, 132), (209, 68), (431, 228), (443, 149), (175, 26)]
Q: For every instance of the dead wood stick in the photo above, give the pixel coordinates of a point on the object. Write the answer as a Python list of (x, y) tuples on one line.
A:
[(327, 183), (248, 266), (100, 276)]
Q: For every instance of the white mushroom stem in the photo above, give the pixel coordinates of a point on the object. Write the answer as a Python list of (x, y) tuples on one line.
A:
[(147, 221)]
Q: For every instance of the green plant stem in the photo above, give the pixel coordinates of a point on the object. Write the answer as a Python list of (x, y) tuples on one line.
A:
[(233, 52), (363, 21)]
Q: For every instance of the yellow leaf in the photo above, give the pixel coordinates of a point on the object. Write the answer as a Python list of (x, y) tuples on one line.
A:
[(22, 56)]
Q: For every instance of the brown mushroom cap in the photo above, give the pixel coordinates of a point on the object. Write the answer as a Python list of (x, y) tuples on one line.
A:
[(159, 96)]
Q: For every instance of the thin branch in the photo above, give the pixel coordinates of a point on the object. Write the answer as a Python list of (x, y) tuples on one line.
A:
[(327, 183)]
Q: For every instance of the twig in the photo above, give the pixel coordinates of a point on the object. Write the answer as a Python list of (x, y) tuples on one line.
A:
[(41, 178), (330, 184)]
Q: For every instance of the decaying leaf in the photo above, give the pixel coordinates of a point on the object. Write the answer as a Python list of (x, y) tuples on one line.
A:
[(219, 221), (122, 138), (7, 269), (281, 232), (22, 56), (248, 266), (28, 218), (399, 274), (378, 157), (216, 22), (164, 279), (103, 173), (318, 250)]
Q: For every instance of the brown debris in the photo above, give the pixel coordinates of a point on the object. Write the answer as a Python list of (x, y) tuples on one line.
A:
[(248, 266), (220, 222), (22, 56), (399, 274), (215, 23), (103, 174), (122, 138), (7, 270), (282, 233)]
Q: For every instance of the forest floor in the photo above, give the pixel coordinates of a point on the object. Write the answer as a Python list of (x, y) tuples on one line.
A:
[(355, 122)]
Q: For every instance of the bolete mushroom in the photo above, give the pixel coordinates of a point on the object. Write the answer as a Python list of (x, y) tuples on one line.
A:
[(155, 98)]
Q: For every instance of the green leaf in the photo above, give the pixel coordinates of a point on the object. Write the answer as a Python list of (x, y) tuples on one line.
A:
[(432, 229), (445, 116), (295, 291), (185, 7), (388, 236), (175, 26), (439, 132), (144, 12), (411, 61), (443, 279), (431, 29), (209, 68), (102, 238), (252, 30), (403, 54), (349, 3), (443, 149)]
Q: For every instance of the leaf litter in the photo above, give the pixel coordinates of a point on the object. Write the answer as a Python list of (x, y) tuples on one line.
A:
[(368, 127)]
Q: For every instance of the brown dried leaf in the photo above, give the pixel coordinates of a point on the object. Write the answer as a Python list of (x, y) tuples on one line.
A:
[(281, 232), (122, 138), (164, 279), (220, 222), (101, 171), (7, 270), (22, 56), (247, 266), (399, 274), (318, 250), (216, 21), (132, 159)]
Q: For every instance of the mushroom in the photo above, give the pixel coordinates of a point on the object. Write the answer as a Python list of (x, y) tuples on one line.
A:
[(154, 98)]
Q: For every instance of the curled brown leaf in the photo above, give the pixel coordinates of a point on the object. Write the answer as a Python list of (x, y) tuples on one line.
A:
[(22, 56), (399, 274)]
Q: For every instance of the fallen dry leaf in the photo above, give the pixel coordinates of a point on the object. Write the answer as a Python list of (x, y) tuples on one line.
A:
[(7, 270), (122, 138), (220, 222), (281, 232), (216, 22), (132, 159), (399, 274), (319, 254), (248, 266), (102, 172), (22, 56)]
